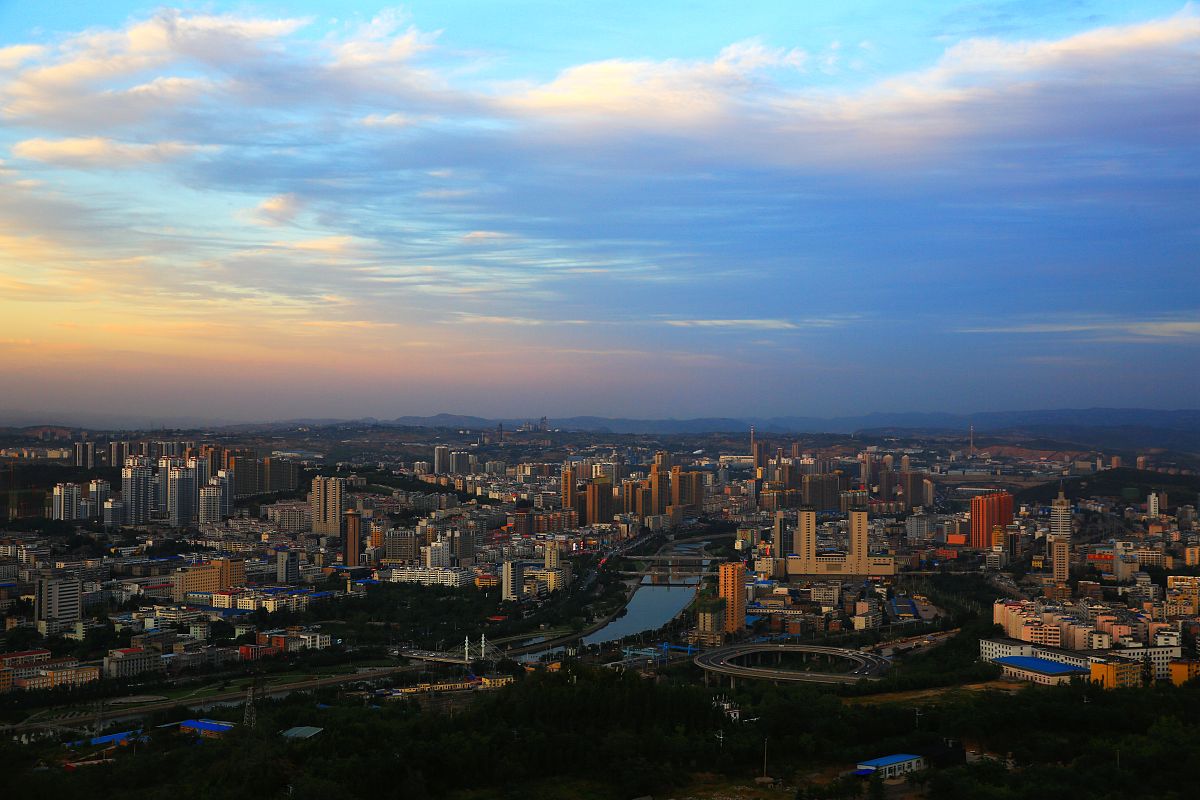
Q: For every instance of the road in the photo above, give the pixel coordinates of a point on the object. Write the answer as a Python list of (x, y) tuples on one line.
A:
[(868, 666), (237, 694)]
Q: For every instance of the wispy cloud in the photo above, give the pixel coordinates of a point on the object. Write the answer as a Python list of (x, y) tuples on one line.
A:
[(278, 210), (363, 182), (96, 151), (760, 324), (479, 237), (1130, 330)]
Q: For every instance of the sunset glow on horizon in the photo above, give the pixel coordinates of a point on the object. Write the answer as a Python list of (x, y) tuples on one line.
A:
[(263, 211)]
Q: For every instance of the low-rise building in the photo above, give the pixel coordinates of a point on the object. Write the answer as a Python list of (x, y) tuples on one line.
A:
[(891, 766), (1039, 670), (126, 662), (1116, 673)]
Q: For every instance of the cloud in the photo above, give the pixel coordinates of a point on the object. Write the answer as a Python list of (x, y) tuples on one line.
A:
[(14, 55), (981, 94), (329, 245), (384, 40), (278, 210), (759, 324), (387, 121), (480, 237), (348, 324), (1128, 330), (523, 322), (97, 151), (746, 324), (745, 178)]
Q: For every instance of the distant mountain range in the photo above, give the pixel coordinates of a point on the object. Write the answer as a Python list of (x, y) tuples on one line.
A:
[(1182, 420), (1036, 423)]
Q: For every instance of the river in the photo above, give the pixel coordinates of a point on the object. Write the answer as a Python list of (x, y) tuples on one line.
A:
[(650, 609)]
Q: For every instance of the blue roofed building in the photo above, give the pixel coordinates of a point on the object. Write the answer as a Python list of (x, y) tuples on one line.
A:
[(208, 728), (891, 766), (1038, 670)]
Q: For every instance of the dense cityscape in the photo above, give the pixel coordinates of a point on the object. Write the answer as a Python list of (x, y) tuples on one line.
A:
[(162, 586)]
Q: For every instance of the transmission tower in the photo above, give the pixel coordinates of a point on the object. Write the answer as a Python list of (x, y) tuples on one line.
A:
[(250, 718)]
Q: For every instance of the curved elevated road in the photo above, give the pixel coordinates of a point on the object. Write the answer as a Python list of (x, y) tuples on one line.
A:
[(867, 666)]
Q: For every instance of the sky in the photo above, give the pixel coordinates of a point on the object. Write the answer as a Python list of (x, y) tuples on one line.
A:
[(271, 210)]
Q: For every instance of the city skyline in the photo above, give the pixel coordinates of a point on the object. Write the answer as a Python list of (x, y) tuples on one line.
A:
[(347, 211)]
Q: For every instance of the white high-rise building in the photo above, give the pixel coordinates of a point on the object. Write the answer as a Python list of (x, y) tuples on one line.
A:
[(1060, 517), (1152, 504), (512, 581), (58, 599), (65, 502), (436, 555), (137, 480), (210, 504), (160, 502)]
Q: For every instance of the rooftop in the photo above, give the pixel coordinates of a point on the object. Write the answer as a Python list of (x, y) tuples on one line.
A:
[(301, 732), (212, 725), (887, 761), (1040, 665)]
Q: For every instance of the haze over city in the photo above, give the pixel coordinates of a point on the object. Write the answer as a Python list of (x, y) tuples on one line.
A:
[(269, 210)]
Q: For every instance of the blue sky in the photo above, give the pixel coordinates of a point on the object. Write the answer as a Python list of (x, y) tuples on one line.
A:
[(637, 209)]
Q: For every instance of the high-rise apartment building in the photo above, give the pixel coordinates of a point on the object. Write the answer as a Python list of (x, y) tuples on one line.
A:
[(98, 492), (183, 494), (782, 541), (327, 505), (287, 566), (1152, 504), (732, 589), (402, 545), (58, 598), (599, 502), (821, 491), (224, 481), (988, 511), (352, 538), (117, 453), (567, 487), (512, 581), (137, 480), (85, 454), (65, 501), (113, 513), (441, 460), (210, 504), (460, 463), (1060, 557)]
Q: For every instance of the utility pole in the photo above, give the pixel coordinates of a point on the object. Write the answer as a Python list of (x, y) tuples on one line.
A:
[(765, 756)]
